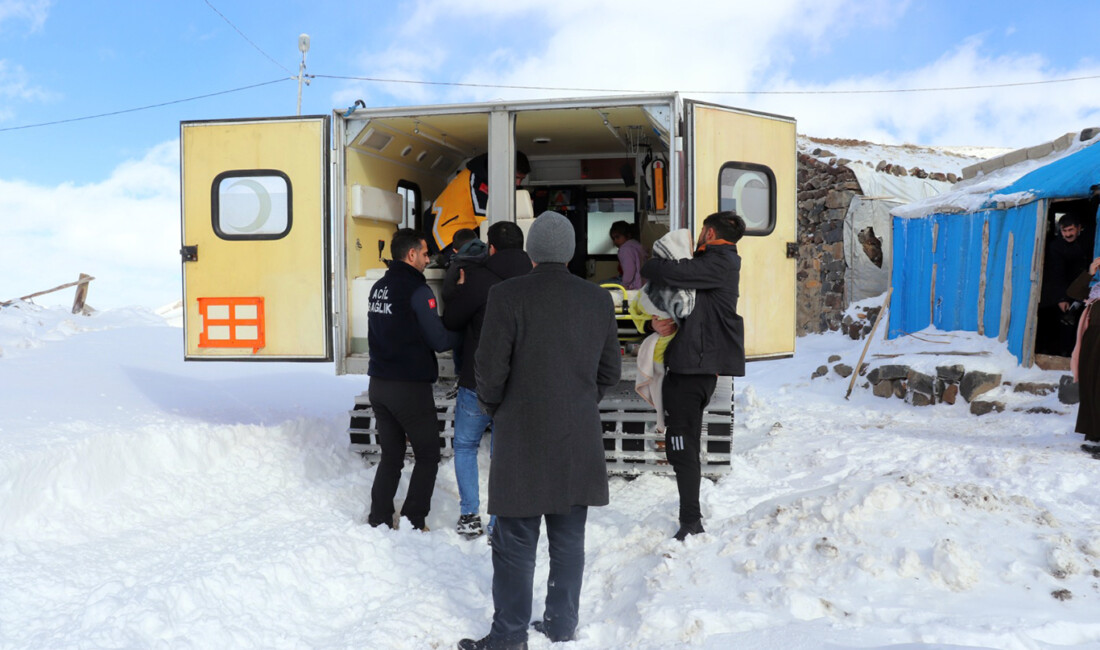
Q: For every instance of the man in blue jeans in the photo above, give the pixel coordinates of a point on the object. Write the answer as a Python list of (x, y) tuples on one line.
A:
[(465, 311)]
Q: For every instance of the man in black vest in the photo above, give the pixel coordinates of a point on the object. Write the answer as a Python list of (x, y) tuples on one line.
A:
[(404, 332), (711, 342)]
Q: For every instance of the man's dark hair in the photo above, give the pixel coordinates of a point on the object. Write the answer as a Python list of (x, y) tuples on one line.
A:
[(623, 228), (504, 235), (727, 225), (405, 240), (523, 166), (461, 236), (1069, 219)]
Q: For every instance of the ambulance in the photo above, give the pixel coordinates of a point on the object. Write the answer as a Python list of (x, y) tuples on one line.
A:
[(286, 224)]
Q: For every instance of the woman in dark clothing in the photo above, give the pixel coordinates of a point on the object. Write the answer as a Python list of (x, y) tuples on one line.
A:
[(1086, 358)]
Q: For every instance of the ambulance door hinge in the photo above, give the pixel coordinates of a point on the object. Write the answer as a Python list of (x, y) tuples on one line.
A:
[(190, 253), (792, 250)]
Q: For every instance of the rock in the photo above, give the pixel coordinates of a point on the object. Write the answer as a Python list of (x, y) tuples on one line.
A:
[(949, 394), (833, 358), (855, 330), (982, 407), (1039, 409), (1034, 388), (920, 399), (843, 370), (884, 388), (975, 383), (900, 389), (820, 372), (950, 373), (920, 383), (1068, 390), (1062, 594), (889, 371)]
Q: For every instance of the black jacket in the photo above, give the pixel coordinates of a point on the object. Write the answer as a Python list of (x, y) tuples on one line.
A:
[(1064, 262), (711, 340), (403, 328), (465, 308)]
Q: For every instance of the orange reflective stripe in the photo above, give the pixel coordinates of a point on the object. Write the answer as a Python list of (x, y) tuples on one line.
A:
[(232, 323)]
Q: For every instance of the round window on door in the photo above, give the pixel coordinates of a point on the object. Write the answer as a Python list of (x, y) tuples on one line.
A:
[(749, 190), (251, 204)]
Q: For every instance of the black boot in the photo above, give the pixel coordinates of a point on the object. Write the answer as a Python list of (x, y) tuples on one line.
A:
[(489, 643), (688, 528), (540, 627)]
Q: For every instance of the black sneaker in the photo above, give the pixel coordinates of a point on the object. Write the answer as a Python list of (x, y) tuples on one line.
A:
[(690, 528), (540, 627), (469, 526), (1091, 447), (488, 643)]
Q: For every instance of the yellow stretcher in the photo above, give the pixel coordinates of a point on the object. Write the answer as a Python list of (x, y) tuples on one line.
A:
[(631, 319)]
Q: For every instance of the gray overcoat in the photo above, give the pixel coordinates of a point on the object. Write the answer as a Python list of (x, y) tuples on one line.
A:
[(548, 352)]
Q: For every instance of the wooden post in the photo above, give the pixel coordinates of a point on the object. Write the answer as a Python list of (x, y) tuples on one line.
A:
[(874, 328), (82, 282), (81, 293)]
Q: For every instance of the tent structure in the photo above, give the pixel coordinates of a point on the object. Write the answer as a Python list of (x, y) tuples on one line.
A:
[(972, 259)]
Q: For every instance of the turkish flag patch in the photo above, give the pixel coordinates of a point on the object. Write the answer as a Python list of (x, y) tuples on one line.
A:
[(431, 303)]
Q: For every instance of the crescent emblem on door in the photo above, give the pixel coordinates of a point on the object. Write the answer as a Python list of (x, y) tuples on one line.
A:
[(264, 212)]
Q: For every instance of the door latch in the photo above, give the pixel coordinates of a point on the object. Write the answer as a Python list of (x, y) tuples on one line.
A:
[(190, 253)]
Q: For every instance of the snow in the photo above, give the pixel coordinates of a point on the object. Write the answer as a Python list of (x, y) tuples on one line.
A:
[(150, 503), (869, 154), (980, 192)]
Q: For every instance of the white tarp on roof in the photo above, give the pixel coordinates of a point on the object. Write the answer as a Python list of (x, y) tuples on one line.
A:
[(869, 216)]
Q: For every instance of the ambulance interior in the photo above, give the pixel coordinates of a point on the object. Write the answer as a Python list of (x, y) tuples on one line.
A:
[(594, 165)]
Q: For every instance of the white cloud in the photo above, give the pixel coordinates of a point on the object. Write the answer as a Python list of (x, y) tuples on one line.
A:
[(33, 11), (732, 46), (14, 84), (124, 231)]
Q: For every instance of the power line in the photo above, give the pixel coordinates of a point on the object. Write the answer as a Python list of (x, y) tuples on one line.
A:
[(142, 108), (713, 92), (246, 38), (557, 88)]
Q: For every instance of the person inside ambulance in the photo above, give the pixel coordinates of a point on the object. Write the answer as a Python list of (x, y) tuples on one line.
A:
[(462, 204)]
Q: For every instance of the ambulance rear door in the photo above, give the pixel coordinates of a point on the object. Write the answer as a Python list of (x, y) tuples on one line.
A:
[(746, 161), (256, 239)]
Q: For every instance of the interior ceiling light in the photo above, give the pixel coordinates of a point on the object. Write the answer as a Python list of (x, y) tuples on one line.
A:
[(541, 140)]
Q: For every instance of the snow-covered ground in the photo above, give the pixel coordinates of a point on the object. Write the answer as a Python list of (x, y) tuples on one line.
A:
[(149, 503)]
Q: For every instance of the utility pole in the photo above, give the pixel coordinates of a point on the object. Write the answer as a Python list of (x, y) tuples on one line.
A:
[(303, 47)]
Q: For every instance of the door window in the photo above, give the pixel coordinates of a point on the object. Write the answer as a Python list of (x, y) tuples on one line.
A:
[(748, 190), (251, 204)]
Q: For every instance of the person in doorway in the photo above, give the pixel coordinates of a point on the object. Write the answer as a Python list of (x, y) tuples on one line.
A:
[(1067, 256), (549, 350), (465, 312), (462, 204), (404, 332), (1085, 362), (631, 254), (711, 342)]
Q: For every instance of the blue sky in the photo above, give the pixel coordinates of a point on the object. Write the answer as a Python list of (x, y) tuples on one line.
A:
[(69, 59)]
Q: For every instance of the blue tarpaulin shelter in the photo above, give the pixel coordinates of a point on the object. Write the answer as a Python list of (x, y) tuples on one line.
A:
[(980, 270)]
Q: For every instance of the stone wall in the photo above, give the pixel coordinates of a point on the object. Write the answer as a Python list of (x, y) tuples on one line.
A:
[(824, 192)]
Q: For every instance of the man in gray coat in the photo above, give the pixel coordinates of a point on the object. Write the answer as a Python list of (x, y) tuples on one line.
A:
[(549, 350)]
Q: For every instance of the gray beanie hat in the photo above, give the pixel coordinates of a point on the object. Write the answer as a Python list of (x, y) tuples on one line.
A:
[(551, 239)]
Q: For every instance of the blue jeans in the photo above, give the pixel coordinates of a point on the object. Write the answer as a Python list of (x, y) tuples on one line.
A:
[(470, 424)]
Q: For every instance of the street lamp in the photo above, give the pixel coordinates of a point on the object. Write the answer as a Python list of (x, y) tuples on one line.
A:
[(303, 47)]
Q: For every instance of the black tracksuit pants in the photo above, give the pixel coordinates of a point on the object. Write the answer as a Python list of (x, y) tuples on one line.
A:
[(404, 409), (685, 397)]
